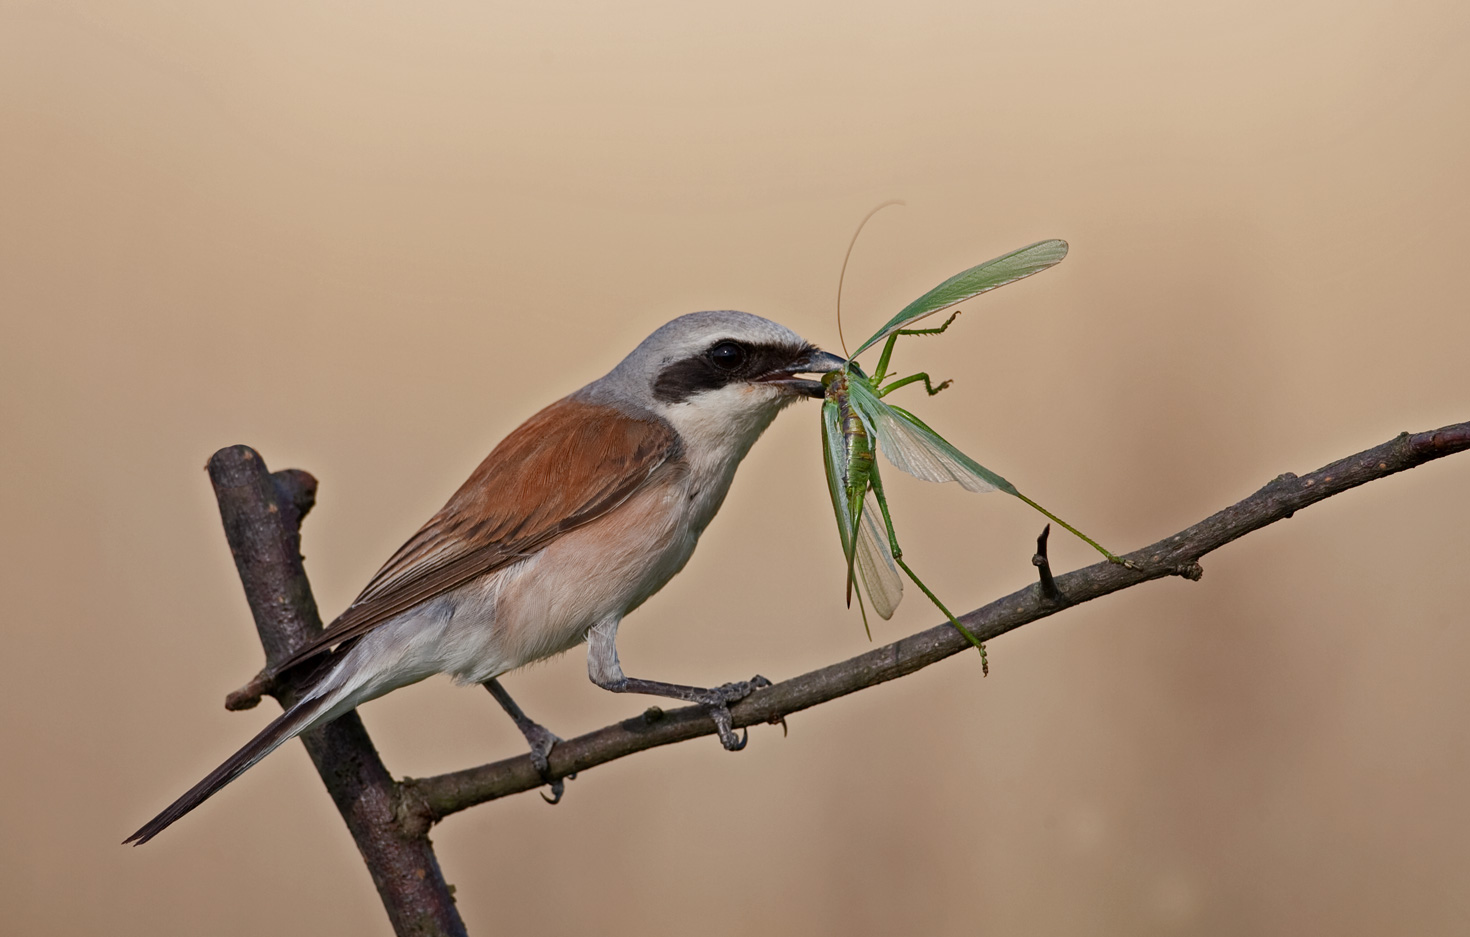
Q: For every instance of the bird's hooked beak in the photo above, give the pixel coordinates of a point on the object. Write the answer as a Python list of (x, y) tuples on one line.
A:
[(812, 361)]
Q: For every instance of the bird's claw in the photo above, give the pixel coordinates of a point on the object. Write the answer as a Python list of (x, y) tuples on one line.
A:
[(542, 741), (718, 701)]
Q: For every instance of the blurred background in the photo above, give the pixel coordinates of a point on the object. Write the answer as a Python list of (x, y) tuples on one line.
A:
[(370, 239)]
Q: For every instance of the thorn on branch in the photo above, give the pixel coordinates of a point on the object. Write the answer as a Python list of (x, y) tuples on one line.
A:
[(1050, 594)]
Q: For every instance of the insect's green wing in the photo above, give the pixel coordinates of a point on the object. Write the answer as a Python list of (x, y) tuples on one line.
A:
[(847, 491), (834, 457), (913, 447), (1007, 268), (859, 522), (875, 566)]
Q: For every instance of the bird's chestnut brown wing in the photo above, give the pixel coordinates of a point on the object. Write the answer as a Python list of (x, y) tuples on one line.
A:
[(564, 467)]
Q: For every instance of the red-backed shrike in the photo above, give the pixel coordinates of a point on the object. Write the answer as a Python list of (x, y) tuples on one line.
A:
[(573, 521)]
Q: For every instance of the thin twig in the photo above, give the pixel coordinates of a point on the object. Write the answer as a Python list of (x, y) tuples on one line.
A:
[(437, 797)]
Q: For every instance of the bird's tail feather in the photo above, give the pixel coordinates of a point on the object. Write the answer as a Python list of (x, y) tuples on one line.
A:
[(287, 726)]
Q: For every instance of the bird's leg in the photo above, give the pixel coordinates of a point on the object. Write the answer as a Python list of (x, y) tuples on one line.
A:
[(540, 738), (605, 671)]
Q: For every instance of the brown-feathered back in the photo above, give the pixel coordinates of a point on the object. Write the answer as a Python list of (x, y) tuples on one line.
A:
[(567, 465)]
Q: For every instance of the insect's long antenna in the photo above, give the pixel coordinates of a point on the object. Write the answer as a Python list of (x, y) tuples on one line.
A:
[(845, 258)]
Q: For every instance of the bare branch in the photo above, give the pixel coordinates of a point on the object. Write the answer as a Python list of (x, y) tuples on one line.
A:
[(437, 797), (262, 516)]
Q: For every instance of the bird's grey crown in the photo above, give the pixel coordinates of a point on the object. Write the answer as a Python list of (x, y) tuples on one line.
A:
[(689, 336)]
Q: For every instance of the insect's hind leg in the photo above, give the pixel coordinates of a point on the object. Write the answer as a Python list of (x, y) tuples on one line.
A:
[(1108, 554), (897, 552)]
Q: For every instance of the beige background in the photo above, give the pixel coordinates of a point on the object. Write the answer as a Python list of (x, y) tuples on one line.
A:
[(369, 240)]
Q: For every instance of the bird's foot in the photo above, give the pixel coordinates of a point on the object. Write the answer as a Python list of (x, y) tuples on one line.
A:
[(542, 740), (717, 701)]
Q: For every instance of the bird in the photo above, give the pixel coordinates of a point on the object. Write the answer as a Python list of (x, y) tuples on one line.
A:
[(572, 521)]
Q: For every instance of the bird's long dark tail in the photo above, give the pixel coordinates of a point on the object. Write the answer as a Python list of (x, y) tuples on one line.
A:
[(286, 727)]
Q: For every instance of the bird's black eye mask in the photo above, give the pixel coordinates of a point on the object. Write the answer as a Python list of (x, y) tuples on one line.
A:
[(727, 361)]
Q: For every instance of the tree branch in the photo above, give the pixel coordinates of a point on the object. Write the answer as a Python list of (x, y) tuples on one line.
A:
[(437, 797), (262, 515)]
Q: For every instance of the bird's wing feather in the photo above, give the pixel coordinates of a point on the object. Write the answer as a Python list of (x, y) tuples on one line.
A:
[(564, 467)]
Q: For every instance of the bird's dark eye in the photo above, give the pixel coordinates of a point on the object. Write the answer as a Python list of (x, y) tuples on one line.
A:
[(727, 356)]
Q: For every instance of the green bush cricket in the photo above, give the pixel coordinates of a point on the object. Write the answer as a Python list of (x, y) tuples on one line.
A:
[(857, 424)]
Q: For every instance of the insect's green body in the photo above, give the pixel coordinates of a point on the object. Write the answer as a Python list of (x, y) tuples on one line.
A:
[(857, 456), (857, 423), (858, 472)]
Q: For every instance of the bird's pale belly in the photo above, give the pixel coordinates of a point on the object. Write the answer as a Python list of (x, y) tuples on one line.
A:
[(539, 607), (543, 605), (603, 570)]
